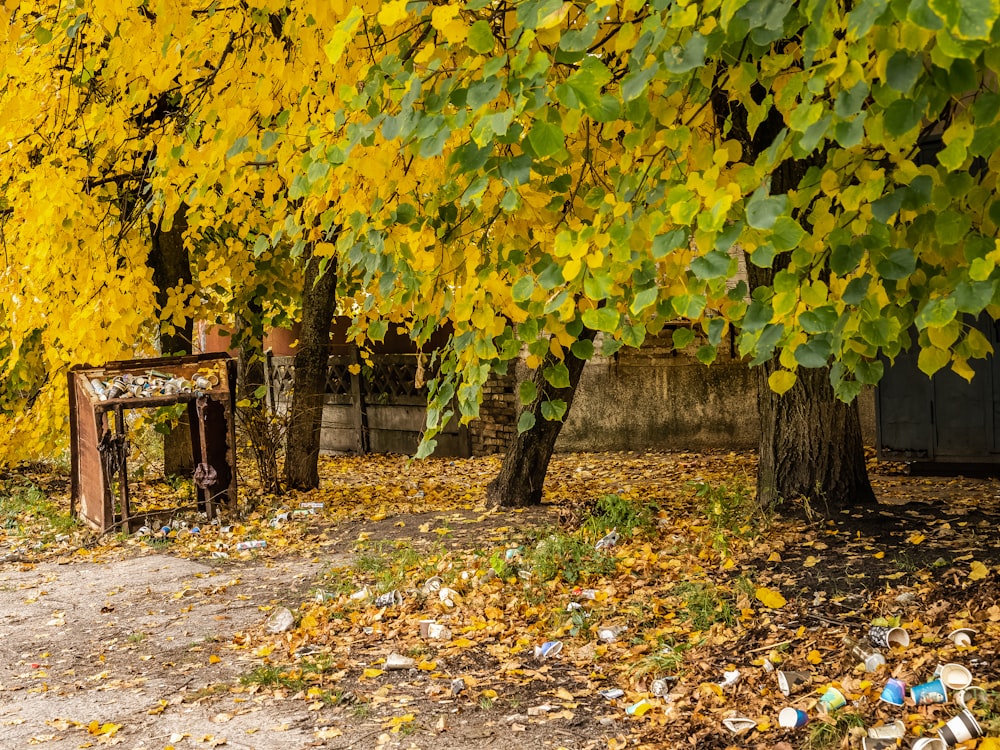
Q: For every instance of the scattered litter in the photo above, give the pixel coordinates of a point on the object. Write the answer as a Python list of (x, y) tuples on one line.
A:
[(280, 620)]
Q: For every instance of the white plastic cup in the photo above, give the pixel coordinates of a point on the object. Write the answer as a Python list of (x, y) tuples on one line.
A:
[(792, 718)]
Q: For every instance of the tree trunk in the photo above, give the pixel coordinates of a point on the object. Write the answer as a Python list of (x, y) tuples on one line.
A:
[(171, 265), (522, 473), (309, 386), (810, 447), (810, 441)]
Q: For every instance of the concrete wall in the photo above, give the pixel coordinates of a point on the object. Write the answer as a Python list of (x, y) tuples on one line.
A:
[(658, 399)]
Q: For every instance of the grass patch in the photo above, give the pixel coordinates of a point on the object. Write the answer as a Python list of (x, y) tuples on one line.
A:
[(831, 732), (295, 677), (24, 507), (705, 605), (387, 563), (615, 512), (565, 556), (668, 660), (731, 511)]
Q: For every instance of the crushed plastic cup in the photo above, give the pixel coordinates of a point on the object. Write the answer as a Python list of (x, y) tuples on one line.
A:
[(432, 584), (961, 727), (438, 632), (659, 687), (871, 658), (894, 692), (389, 599), (424, 627), (638, 709), (251, 544), (888, 731), (280, 620), (730, 678), (878, 743), (792, 718), (929, 743), (738, 724), (311, 506), (398, 661), (612, 693), (361, 594), (608, 541), (954, 676), (929, 692), (449, 597), (610, 634), (548, 650)]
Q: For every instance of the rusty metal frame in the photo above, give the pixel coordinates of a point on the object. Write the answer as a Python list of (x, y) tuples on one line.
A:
[(99, 441)]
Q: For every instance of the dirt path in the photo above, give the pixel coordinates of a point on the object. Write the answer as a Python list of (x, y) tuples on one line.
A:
[(113, 642)]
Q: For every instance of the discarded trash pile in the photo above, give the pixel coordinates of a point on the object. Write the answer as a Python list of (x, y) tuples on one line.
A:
[(153, 383)]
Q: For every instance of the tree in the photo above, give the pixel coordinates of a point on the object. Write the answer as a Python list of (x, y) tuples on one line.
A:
[(583, 140)]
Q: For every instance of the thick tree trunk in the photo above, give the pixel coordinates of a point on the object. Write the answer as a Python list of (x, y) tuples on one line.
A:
[(309, 386), (811, 448), (171, 265), (522, 473)]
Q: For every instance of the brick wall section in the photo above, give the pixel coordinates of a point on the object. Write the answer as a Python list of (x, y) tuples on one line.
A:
[(497, 423)]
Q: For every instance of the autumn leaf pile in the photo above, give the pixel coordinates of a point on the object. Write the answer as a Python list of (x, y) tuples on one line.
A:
[(676, 622)]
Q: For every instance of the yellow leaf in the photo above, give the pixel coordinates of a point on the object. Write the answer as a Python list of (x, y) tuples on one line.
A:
[(915, 538), (427, 666), (814, 657), (810, 561), (354, 369), (372, 672), (213, 659), (978, 571), (774, 557), (879, 555), (462, 643), (493, 613), (780, 381), (564, 694), (392, 13), (770, 598)]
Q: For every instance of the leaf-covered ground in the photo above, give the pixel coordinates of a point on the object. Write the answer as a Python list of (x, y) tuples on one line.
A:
[(689, 615)]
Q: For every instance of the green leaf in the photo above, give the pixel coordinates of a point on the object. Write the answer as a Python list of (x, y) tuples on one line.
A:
[(711, 265), (758, 315), (900, 264), (821, 320), (845, 258), (683, 59), (763, 256), (525, 422), (786, 234), (973, 297), (763, 210), (939, 311), (553, 411), (480, 37), (582, 349), (635, 83), (597, 284), (527, 392), (601, 319), (522, 289), (902, 116), (814, 353), (902, 70), (682, 337), (546, 139), (557, 375), (643, 299), (663, 244), (43, 35), (967, 19), (706, 354), (869, 372)]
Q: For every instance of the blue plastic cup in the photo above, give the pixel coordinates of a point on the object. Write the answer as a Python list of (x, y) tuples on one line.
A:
[(894, 692), (929, 692)]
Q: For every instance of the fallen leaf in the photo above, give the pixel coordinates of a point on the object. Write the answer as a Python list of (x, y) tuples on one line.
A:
[(770, 598), (978, 571)]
